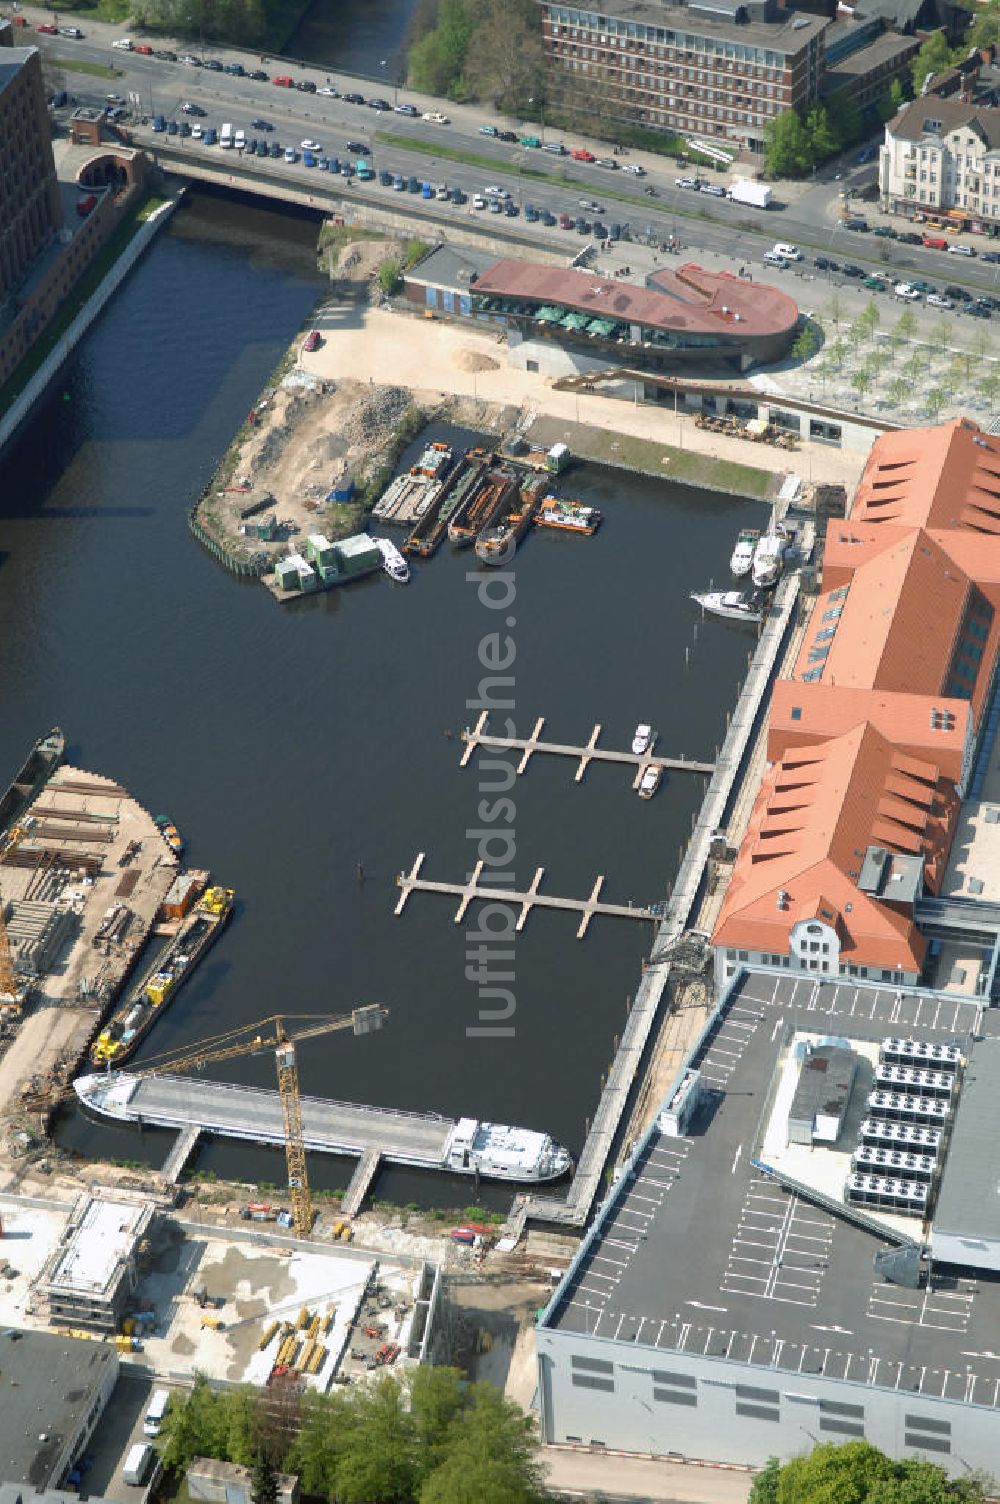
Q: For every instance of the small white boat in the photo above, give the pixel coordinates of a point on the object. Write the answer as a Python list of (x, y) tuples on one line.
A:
[(741, 562), (393, 562), (767, 559), (642, 740), (649, 782), (734, 605)]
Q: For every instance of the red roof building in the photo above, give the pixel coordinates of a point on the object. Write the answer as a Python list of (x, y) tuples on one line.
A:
[(872, 739)]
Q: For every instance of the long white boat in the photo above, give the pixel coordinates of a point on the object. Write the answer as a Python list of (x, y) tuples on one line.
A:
[(741, 562), (734, 605), (393, 562), (768, 558), (425, 1140)]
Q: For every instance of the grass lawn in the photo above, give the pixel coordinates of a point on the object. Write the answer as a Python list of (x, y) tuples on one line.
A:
[(86, 286), (80, 65), (687, 466)]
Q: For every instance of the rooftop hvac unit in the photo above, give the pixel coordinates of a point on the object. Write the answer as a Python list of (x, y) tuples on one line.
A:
[(911, 1079), (887, 1194), (894, 1162), (905, 1106), (920, 1052), (897, 1135)]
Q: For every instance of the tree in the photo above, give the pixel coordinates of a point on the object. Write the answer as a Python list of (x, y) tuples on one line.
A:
[(389, 276), (823, 140), (991, 386), (913, 367), (934, 57), (196, 1428), (436, 1400), (845, 113), (835, 309), (806, 344), (861, 381), (869, 320), (263, 1479), (377, 1458), (934, 401), (985, 29), (899, 390), (906, 323), (764, 1489), (858, 1473), (505, 61), (897, 95), (491, 1455), (787, 147), (437, 58)]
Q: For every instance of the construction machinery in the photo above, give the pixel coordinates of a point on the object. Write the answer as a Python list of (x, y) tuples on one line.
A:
[(272, 1033)]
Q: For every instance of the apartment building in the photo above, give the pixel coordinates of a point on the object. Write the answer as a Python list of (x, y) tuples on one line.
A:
[(719, 70), (30, 209), (942, 156)]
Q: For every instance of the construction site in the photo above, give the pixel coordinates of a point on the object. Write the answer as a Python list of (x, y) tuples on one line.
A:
[(84, 871)]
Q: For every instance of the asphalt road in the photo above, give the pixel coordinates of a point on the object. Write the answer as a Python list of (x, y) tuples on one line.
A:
[(697, 220)]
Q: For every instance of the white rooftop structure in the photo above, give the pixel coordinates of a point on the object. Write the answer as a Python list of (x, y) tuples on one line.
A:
[(93, 1269)]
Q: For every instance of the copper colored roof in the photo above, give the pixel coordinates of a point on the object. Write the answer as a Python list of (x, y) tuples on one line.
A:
[(686, 300), (946, 477), (928, 725)]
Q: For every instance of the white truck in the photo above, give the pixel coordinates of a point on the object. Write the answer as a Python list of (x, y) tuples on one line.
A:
[(756, 195), (226, 135)]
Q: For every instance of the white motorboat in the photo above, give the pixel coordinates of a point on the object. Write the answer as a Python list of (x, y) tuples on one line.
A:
[(393, 562), (642, 740), (741, 562), (734, 605), (767, 559), (650, 782)]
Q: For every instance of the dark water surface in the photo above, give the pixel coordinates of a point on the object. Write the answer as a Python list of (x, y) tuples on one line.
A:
[(360, 38), (289, 743)]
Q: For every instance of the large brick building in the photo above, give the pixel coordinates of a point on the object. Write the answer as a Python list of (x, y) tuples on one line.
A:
[(710, 70), (30, 210)]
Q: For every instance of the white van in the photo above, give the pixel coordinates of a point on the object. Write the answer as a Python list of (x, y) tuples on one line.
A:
[(138, 1464), (790, 252), (240, 141), (226, 136), (124, 44), (158, 1403)]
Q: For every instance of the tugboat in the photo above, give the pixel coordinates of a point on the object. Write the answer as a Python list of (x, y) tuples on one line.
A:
[(168, 830), (741, 562), (734, 605), (569, 516), (393, 562)]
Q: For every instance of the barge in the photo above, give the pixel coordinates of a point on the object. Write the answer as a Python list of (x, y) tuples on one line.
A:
[(497, 486), (498, 541), (45, 756), (129, 1025), (431, 528)]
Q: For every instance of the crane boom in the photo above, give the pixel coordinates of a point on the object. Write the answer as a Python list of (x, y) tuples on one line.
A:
[(229, 1045)]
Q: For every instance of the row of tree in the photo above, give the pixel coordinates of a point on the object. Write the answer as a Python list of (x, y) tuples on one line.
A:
[(489, 50), (433, 1440), (794, 144), (858, 1473)]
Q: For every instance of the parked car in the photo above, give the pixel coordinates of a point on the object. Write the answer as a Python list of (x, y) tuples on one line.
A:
[(873, 284), (209, 135), (283, 81), (353, 98), (196, 132), (884, 232), (531, 214), (478, 202), (187, 58), (928, 287), (554, 148), (212, 64), (715, 190), (237, 70), (582, 226), (407, 109), (159, 123), (261, 125), (686, 183), (977, 311), (436, 117), (991, 256), (259, 76), (308, 145), (547, 217), (773, 258), (306, 86), (357, 149), (190, 108), (958, 294), (487, 130), (857, 224), (48, 30), (262, 148), (291, 155), (172, 127), (961, 250), (634, 169), (312, 341), (790, 252), (184, 129), (509, 136), (935, 300), (824, 264), (600, 230), (581, 154), (907, 292), (329, 91), (71, 31), (909, 237), (274, 150), (496, 206), (850, 270), (565, 223), (606, 162), (165, 55)]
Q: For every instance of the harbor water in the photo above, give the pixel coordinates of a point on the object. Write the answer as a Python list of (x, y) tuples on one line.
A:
[(291, 744)]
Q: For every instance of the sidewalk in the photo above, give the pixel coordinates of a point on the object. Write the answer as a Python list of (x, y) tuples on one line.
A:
[(432, 356), (593, 1475)]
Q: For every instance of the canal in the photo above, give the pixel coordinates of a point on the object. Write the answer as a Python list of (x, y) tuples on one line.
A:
[(291, 744)]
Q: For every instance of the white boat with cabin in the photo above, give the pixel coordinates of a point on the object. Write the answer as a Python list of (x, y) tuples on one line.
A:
[(393, 562), (650, 781), (643, 739), (733, 605), (768, 558), (741, 562)]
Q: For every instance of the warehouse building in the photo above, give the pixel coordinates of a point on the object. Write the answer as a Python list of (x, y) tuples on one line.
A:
[(53, 1390), (744, 1295)]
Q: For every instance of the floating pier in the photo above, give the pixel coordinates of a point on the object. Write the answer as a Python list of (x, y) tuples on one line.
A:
[(583, 756), (471, 891)]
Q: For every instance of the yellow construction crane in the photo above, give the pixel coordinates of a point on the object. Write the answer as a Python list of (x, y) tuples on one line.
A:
[(271, 1033)]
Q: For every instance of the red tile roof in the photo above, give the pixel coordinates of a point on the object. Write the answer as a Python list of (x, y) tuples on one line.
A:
[(688, 299)]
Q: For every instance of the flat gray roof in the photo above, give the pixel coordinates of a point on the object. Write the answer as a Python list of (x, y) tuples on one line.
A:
[(47, 1386), (701, 1252), (12, 60), (968, 1201), (788, 33), (450, 266)]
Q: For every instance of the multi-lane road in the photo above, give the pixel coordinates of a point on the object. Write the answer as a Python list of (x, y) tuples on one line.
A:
[(811, 220)]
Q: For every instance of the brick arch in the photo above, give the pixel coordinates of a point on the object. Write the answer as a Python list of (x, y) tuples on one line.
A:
[(117, 170)]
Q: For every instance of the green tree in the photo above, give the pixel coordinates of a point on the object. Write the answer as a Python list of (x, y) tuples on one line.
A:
[(845, 114), (991, 386), (985, 29), (897, 95), (899, 390), (869, 320), (197, 1428), (490, 1458), (934, 401), (934, 57), (806, 343), (436, 1401), (835, 310), (437, 59), (389, 276), (505, 61), (378, 1455), (913, 367), (316, 1449), (764, 1489), (263, 1479), (243, 1427), (906, 323), (787, 147), (823, 140), (861, 381), (858, 1473)]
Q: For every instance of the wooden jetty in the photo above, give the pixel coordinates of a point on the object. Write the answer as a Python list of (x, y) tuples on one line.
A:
[(471, 891), (590, 752)]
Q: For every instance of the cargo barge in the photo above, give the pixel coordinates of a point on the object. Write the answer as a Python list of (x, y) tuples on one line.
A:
[(498, 541), (130, 1024), (42, 761), (432, 526), (497, 485)]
